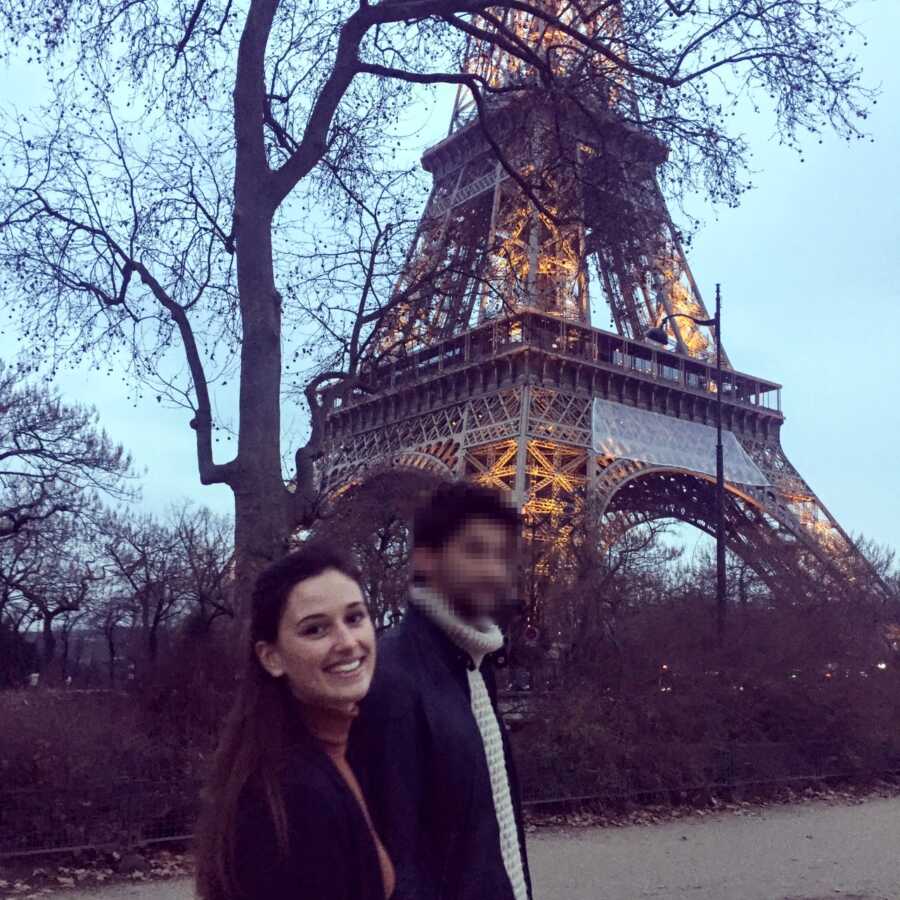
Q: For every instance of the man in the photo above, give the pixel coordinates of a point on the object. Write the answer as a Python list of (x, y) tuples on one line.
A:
[(429, 745)]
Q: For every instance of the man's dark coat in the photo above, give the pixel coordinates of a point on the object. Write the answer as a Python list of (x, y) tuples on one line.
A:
[(419, 755)]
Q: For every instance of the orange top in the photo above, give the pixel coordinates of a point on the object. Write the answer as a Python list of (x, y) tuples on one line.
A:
[(331, 728)]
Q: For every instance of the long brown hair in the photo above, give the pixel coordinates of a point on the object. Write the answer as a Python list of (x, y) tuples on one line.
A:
[(255, 734)]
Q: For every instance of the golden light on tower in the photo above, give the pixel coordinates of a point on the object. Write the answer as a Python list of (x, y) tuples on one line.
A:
[(536, 252), (490, 365), (552, 37)]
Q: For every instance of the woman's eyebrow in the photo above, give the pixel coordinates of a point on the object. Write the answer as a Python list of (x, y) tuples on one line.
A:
[(311, 617), (314, 616)]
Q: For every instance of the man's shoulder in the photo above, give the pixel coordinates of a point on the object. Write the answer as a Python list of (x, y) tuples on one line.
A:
[(397, 665), (397, 643)]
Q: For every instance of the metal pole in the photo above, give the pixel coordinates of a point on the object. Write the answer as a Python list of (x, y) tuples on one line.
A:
[(658, 334), (721, 598)]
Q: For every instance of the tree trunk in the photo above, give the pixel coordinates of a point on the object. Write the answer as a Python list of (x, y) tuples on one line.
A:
[(49, 643), (263, 520), (65, 652), (111, 647), (262, 532), (263, 504)]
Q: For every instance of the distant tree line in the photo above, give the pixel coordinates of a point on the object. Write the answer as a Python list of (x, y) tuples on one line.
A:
[(78, 564)]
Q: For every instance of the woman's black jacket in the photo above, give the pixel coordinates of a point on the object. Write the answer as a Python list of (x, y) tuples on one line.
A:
[(332, 854)]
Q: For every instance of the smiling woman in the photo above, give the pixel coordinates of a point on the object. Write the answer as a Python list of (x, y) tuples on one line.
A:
[(284, 816), (325, 645)]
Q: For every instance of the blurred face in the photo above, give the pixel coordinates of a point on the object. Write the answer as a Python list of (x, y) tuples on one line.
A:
[(326, 643), (474, 570)]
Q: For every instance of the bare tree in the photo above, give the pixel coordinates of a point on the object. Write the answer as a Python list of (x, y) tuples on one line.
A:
[(109, 617), (204, 554), (54, 459), (151, 216), (51, 574), (71, 642), (142, 560), (600, 585), (17, 563)]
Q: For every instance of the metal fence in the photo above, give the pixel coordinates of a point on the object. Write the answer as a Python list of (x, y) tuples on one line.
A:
[(95, 815), (736, 769), (134, 813)]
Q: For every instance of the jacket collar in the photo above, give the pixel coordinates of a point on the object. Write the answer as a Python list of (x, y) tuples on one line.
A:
[(433, 643), (475, 639)]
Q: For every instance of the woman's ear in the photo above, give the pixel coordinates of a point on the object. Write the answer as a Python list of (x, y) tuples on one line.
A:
[(269, 658)]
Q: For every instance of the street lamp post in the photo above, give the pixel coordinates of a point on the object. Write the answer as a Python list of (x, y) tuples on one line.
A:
[(659, 335)]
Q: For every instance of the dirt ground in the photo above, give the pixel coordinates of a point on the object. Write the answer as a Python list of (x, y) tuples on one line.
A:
[(806, 852)]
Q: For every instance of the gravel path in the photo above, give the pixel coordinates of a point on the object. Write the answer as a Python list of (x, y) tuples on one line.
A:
[(808, 852), (780, 853)]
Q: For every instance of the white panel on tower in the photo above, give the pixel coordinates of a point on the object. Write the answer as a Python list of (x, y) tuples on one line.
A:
[(649, 437)]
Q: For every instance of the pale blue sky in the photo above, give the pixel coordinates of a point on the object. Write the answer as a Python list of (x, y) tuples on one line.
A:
[(809, 269), (811, 290)]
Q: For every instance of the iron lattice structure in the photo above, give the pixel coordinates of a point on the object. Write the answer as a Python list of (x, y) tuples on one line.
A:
[(490, 366)]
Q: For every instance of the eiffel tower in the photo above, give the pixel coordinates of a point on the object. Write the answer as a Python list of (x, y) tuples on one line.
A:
[(490, 368)]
